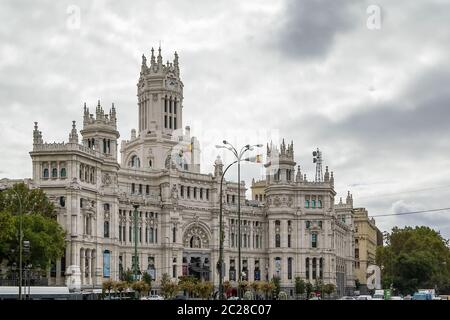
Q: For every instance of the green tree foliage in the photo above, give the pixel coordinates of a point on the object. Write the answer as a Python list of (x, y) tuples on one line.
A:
[(168, 288), (32, 201), (415, 258), (276, 286), (309, 288), (40, 227), (300, 286)]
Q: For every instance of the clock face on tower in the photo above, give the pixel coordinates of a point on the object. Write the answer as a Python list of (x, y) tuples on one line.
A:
[(171, 83)]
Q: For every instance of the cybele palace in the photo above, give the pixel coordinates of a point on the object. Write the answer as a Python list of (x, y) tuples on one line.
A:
[(292, 227)]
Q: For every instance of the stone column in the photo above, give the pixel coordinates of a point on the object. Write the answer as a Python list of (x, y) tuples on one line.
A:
[(310, 270), (82, 265)]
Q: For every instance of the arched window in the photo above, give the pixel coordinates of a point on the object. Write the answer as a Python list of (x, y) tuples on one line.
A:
[(106, 229), (63, 172), (289, 267), (150, 163), (45, 173), (135, 162), (54, 173)]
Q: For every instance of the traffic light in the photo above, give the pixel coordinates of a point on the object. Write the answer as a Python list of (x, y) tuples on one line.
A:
[(26, 246)]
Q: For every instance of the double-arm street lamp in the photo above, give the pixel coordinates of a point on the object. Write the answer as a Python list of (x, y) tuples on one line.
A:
[(238, 155)]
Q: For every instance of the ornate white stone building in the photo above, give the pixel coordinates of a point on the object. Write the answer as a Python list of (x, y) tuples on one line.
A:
[(295, 229)]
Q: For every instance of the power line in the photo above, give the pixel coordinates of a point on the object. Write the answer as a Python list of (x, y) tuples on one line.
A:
[(403, 192), (411, 212)]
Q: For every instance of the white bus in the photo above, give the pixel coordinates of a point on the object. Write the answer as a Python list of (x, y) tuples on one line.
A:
[(38, 293)]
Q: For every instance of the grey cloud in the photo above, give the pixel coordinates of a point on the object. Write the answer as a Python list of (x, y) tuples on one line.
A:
[(309, 27)]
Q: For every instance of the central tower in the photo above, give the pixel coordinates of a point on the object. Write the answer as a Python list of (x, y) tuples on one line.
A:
[(160, 95)]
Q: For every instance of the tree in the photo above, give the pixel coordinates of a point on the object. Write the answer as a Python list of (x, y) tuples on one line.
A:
[(168, 288), (120, 286), (276, 286), (256, 286), (40, 227), (32, 201), (108, 285), (414, 258), (300, 286), (309, 288), (148, 280), (187, 283), (204, 289), (139, 287), (267, 288), (329, 288)]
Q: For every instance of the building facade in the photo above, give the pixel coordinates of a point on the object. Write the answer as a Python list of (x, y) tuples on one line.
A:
[(366, 241), (292, 228)]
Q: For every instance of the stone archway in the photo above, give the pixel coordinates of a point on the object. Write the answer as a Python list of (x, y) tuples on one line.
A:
[(196, 255), (196, 237)]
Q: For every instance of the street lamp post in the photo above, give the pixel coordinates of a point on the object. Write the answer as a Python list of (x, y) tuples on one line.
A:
[(136, 206), (222, 235), (238, 156), (20, 241)]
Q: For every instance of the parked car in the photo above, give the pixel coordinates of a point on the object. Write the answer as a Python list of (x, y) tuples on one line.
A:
[(153, 297), (422, 296), (347, 298), (233, 298), (396, 298), (364, 297)]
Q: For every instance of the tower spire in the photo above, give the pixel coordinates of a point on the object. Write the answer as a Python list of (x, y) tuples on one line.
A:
[(73, 136), (152, 59)]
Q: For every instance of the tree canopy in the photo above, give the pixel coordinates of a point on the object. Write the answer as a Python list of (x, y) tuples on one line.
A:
[(40, 227), (415, 258)]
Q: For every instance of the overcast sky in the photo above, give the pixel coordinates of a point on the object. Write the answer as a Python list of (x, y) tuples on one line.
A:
[(373, 97)]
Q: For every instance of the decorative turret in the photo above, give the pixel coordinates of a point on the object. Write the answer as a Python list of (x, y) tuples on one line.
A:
[(176, 64), (160, 94), (218, 167), (327, 175), (100, 132), (37, 135), (280, 163), (73, 136), (332, 179), (144, 64), (349, 199), (299, 177)]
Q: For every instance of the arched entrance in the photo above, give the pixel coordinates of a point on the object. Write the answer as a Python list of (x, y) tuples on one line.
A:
[(196, 254)]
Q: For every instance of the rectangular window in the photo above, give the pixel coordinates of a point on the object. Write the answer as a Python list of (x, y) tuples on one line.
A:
[(195, 192), (174, 271), (314, 240), (189, 192), (133, 188), (182, 191), (170, 122), (147, 189), (120, 233), (289, 240), (140, 188), (201, 193), (175, 123), (130, 232), (313, 203), (174, 234), (232, 240), (289, 268), (175, 107), (306, 203), (207, 194), (165, 121)]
